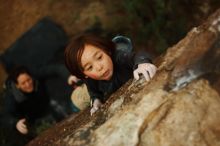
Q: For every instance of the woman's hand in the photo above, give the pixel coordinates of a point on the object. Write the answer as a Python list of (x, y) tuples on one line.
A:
[(21, 126), (72, 79), (95, 106), (147, 69)]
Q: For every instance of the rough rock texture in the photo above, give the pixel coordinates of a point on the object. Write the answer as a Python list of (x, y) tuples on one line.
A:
[(180, 106)]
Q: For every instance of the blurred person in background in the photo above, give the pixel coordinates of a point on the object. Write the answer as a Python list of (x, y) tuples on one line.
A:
[(28, 104)]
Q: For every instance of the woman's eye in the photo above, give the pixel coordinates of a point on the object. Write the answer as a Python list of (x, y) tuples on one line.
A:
[(89, 68), (99, 57)]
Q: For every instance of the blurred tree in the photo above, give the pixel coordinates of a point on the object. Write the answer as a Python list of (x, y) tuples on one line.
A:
[(158, 24)]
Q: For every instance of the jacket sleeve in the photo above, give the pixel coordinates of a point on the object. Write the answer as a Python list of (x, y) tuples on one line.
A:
[(141, 57), (125, 55), (93, 90), (10, 110), (132, 59)]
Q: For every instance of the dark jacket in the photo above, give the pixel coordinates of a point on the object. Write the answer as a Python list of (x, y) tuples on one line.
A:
[(125, 62), (25, 105), (36, 105)]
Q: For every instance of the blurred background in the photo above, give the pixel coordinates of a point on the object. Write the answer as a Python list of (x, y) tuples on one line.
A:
[(153, 25)]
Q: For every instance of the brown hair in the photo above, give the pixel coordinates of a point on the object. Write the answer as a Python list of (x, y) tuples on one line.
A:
[(18, 70), (75, 48)]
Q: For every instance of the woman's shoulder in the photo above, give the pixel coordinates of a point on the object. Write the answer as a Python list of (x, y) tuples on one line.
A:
[(7, 85)]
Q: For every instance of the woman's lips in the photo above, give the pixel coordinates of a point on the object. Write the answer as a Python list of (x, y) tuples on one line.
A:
[(106, 73)]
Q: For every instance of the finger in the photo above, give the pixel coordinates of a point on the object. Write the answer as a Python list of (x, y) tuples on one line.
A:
[(96, 105), (150, 72), (95, 108), (23, 123), (146, 75), (20, 128), (96, 102), (136, 76), (24, 131), (23, 120), (92, 111), (91, 103), (153, 71), (23, 126)]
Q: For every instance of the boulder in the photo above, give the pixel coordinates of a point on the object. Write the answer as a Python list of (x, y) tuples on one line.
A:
[(179, 106)]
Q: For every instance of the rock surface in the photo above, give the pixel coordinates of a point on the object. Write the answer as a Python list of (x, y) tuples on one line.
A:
[(180, 106)]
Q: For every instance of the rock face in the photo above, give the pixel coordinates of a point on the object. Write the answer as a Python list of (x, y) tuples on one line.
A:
[(180, 106)]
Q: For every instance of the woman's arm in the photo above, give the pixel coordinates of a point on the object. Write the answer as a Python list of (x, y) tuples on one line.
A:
[(95, 96), (140, 62)]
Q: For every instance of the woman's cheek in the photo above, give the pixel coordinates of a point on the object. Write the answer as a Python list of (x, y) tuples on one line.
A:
[(93, 76)]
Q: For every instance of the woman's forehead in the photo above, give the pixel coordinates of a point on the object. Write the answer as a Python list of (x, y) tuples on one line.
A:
[(89, 53), (23, 76)]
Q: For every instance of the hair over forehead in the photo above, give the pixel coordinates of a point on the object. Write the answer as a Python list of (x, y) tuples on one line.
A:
[(17, 71), (75, 48)]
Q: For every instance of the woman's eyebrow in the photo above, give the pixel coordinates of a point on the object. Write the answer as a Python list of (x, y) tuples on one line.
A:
[(95, 54), (84, 66)]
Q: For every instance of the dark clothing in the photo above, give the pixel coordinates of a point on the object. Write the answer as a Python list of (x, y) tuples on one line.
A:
[(124, 63), (36, 105), (40, 49), (25, 105)]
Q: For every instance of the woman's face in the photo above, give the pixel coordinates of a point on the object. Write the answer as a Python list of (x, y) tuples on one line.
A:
[(96, 63), (25, 83)]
